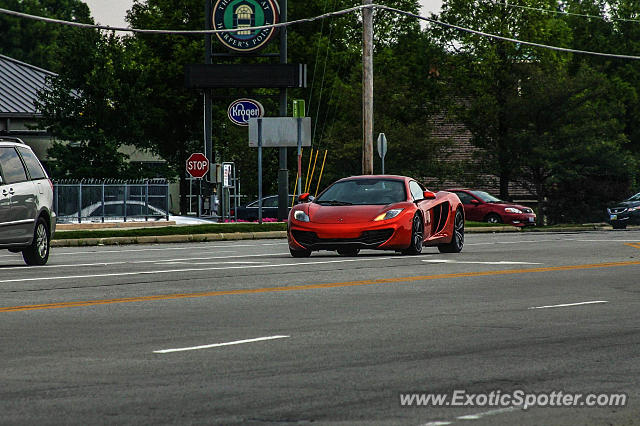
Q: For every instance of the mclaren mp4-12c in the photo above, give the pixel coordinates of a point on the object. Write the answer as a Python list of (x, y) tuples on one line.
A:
[(376, 212)]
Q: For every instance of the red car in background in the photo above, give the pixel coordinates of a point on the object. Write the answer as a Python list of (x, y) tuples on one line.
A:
[(376, 212), (480, 206)]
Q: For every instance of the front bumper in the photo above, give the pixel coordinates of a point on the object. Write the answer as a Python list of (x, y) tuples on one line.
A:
[(383, 235), (626, 217), (520, 219)]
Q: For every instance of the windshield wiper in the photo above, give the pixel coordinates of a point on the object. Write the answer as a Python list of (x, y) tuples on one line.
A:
[(334, 203)]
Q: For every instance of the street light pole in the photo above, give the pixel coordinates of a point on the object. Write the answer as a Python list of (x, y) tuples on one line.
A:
[(367, 88)]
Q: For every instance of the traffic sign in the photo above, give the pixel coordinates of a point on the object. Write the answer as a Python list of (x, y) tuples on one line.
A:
[(382, 145), (197, 165), (382, 148)]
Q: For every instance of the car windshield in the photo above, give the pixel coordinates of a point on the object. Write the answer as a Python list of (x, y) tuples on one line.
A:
[(486, 197), (363, 192), (635, 197)]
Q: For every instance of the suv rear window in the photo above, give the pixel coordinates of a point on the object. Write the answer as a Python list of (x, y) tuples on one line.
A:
[(11, 165), (33, 165)]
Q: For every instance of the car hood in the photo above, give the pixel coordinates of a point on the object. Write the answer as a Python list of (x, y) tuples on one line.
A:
[(505, 205), (344, 214), (627, 204)]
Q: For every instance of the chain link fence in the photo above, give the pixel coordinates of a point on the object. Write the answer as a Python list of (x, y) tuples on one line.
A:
[(99, 200)]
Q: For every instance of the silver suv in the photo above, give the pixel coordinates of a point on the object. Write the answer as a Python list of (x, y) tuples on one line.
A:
[(27, 219)]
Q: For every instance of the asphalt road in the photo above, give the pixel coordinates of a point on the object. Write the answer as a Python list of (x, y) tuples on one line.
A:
[(115, 335)]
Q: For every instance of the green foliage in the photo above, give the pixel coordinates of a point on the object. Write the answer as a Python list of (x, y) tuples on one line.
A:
[(40, 43), (91, 110)]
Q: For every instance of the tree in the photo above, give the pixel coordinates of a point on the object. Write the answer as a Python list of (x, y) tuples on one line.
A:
[(40, 43), (571, 130), (485, 73), (91, 109)]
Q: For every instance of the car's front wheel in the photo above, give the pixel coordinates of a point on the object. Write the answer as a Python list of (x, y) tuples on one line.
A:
[(417, 236), (457, 239), (299, 253), (493, 218), (37, 253)]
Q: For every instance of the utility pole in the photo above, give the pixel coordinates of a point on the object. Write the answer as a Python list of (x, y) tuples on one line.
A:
[(367, 88), (283, 172)]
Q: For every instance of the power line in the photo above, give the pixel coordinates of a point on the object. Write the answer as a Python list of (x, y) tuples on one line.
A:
[(324, 16), (560, 12), (512, 40)]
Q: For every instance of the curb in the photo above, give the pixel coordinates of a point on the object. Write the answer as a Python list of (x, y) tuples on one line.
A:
[(231, 236), (164, 239)]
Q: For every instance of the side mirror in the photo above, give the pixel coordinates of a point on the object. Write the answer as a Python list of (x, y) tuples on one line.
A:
[(475, 202), (304, 198), (428, 195)]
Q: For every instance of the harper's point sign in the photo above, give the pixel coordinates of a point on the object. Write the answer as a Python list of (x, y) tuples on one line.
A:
[(235, 14)]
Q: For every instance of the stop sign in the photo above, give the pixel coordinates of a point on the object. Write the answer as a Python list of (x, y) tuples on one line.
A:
[(197, 165)]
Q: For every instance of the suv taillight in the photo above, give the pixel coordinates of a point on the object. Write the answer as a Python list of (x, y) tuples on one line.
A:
[(51, 184)]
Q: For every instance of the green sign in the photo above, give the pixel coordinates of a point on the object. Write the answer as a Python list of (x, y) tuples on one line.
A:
[(234, 14), (298, 108)]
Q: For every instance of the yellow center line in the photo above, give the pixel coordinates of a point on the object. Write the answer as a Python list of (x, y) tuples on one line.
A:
[(634, 245), (313, 286)]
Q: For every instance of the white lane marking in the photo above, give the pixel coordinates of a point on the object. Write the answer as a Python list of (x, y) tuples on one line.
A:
[(608, 241), (134, 262), (564, 305), (246, 262), (473, 262), (217, 345), (478, 416), (170, 271), (200, 247)]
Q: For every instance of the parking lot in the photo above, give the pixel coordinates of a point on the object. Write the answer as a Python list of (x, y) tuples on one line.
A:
[(240, 332)]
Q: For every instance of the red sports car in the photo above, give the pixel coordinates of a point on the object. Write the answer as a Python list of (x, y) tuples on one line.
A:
[(376, 212), (483, 207)]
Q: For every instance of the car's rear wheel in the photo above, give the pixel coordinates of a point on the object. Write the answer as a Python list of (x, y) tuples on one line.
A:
[(457, 239), (37, 253), (619, 225), (493, 218), (299, 253), (417, 236), (348, 252)]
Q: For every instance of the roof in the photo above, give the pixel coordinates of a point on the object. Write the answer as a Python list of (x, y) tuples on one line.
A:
[(19, 84)]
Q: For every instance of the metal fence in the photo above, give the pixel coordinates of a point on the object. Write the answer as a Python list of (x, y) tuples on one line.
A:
[(100, 200)]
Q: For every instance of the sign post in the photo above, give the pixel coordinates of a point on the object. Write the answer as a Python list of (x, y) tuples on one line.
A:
[(382, 148), (299, 113), (259, 170)]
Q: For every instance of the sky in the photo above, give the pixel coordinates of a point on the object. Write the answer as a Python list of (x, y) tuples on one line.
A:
[(112, 12)]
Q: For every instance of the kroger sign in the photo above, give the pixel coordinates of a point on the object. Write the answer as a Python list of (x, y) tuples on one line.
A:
[(242, 110)]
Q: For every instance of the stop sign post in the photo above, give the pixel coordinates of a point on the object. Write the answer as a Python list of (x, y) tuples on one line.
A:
[(197, 165)]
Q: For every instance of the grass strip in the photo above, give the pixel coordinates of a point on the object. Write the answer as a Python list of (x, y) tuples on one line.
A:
[(213, 228)]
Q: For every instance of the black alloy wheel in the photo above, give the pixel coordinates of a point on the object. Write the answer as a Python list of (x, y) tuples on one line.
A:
[(457, 239), (299, 253), (417, 236)]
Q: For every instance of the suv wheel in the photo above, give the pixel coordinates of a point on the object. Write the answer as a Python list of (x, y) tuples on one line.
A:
[(37, 253)]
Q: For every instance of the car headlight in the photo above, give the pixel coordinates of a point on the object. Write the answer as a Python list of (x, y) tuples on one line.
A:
[(389, 214), (633, 209), (512, 210), (301, 216)]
